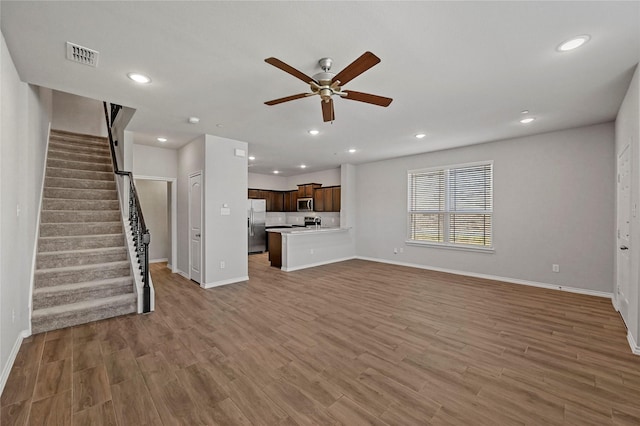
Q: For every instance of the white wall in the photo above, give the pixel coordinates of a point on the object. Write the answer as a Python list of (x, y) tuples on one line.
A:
[(153, 196), (554, 199), (154, 161), (190, 159), (25, 114), (329, 177), (78, 114), (628, 133), (225, 239)]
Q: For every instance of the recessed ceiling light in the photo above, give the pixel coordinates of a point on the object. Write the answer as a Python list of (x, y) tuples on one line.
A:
[(220, 126), (303, 166), (420, 135), (276, 171), (139, 78), (314, 132), (573, 43), (527, 120), (162, 139), (251, 157), (524, 111), (194, 120), (352, 150)]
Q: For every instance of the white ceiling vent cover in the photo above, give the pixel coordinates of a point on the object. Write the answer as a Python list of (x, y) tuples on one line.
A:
[(82, 55)]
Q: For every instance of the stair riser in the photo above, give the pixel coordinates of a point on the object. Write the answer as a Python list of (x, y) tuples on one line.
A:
[(81, 194), (64, 204), (77, 148), (75, 296), (79, 165), (80, 243), (55, 322), (79, 216), (62, 183), (71, 229), (51, 278), (78, 156), (79, 174), (45, 261)]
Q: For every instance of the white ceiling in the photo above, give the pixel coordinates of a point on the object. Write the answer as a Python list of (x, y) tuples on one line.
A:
[(460, 72)]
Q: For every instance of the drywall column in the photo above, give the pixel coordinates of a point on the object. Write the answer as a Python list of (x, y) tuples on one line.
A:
[(225, 210)]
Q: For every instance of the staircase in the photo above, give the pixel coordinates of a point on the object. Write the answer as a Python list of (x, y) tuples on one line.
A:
[(82, 267)]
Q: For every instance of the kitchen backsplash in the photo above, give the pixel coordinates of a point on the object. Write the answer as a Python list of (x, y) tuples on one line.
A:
[(329, 219)]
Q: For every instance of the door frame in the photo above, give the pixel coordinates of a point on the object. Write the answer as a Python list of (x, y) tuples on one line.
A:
[(192, 174), (174, 216), (616, 292)]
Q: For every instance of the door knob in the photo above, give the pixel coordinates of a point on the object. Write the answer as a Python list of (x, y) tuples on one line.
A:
[(197, 235), (624, 248)]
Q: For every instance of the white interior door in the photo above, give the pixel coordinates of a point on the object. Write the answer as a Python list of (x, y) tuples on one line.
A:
[(195, 227), (624, 233)]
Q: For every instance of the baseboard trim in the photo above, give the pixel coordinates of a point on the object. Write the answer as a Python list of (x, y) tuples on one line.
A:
[(6, 370), (183, 274), (635, 349), (224, 282), (165, 259), (496, 278), (312, 265)]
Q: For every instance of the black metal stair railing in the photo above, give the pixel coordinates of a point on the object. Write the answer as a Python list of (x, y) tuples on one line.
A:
[(140, 233)]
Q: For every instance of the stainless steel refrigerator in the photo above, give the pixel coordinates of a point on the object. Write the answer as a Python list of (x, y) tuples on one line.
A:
[(256, 218)]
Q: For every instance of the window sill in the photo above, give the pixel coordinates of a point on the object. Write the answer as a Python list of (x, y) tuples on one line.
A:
[(450, 246)]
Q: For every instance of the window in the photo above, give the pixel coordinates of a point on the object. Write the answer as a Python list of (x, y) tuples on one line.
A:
[(451, 206)]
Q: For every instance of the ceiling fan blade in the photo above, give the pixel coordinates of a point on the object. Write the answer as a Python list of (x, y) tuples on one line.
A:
[(357, 67), (289, 69), (366, 97), (288, 98), (327, 110)]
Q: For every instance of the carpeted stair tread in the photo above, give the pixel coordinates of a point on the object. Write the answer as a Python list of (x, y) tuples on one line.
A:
[(51, 183), (61, 172), (80, 194), (81, 242), (66, 294), (78, 273), (63, 258), (75, 216), (80, 228), (80, 156), (66, 204), (82, 312), (79, 165), (63, 146), (64, 135)]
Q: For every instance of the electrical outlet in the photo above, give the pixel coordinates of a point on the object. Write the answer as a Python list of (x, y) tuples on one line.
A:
[(222, 264), (555, 267), (395, 250), (310, 251)]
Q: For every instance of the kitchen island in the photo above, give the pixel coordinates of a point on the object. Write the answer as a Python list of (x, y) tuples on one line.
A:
[(291, 249)]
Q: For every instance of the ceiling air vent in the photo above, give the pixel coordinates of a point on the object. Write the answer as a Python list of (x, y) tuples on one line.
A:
[(82, 55)]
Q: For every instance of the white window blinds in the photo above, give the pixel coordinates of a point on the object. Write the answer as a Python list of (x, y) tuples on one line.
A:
[(451, 206)]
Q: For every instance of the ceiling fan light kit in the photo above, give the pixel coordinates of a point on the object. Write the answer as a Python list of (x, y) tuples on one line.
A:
[(327, 84)]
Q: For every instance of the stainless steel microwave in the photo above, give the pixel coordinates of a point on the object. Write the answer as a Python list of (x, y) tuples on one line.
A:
[(305, 204)]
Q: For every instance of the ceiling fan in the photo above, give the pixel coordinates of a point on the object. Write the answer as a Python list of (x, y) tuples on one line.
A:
[(326, 84)]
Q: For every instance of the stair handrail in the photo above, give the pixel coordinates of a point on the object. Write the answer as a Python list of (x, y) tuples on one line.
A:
[(141, 235)]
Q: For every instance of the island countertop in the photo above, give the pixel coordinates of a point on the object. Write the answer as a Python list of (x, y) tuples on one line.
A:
[(307, 230)]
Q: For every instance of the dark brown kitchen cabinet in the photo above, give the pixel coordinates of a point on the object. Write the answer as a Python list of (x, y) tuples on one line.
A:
[(336, 194), (290, 201), (277, 201), (253, 193), (307, 190), (318, 200)]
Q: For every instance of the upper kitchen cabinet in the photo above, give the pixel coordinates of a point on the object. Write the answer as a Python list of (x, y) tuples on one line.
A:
[(290, 201), (307, 190), (327, 199)]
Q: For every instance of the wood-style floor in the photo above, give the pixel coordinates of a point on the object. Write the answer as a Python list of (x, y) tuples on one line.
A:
[(350, 343)]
